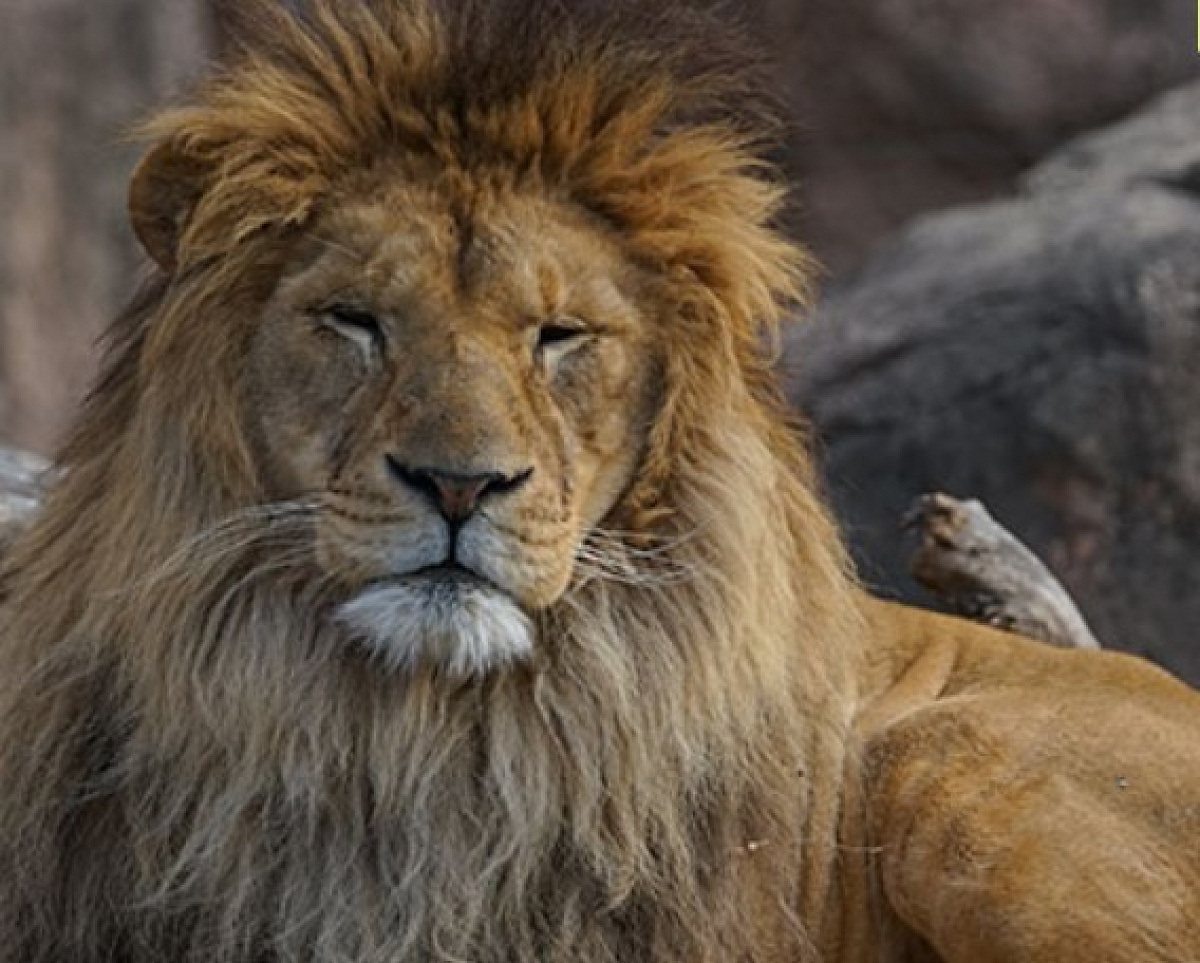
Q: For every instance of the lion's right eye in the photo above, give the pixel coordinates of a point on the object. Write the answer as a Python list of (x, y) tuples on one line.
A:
[(551, 335), (357, 325), (556, 339)]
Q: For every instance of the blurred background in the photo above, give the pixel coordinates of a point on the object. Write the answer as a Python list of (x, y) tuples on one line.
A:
[(1003, 196)]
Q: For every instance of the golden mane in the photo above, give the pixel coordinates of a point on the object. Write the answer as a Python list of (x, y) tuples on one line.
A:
[(184, 732)]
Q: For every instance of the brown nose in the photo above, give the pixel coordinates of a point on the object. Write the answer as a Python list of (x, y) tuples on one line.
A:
[(455, 495)]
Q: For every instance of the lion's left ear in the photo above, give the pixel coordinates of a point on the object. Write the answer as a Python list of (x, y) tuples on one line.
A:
[(165, 189)]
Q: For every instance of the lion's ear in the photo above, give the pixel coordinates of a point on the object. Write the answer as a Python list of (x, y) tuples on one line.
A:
[(164, 191)]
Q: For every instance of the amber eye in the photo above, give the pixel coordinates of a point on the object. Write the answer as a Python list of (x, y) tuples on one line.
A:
[(357, 324)]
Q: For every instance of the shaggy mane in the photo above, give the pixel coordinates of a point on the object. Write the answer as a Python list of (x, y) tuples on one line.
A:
[(195, 766), (652, 116)]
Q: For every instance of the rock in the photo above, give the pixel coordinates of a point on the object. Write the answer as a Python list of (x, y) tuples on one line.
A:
[(904, 106), (22, 479), (1041, 354), (982, 571)]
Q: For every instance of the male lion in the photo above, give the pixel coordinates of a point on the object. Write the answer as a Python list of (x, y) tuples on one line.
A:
[(436, 576)]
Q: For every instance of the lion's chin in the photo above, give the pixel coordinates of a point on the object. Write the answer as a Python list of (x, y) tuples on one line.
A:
[(462, 626)]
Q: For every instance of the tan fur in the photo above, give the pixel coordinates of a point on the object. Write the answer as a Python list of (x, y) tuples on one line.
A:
[(1026, 803), (202, 762)]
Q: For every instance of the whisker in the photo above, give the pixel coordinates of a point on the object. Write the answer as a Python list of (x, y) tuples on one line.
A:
[(257, 526), (607, 539)]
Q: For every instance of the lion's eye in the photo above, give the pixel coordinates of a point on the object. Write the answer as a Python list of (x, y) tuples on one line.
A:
[(550, 334), (557, 337), (357, 324)]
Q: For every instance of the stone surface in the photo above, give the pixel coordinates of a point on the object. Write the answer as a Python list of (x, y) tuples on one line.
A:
[(22, 480), (1041, 354), (982, 571), (905, 106)]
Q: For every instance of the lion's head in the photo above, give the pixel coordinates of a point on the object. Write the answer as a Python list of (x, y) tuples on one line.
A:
[(464, 375), (434, 571), (475, 290)]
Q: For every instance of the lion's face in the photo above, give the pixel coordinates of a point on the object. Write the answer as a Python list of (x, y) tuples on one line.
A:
[(467, 391)]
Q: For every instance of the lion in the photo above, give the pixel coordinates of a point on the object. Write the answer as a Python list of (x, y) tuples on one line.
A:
[(435, 572)]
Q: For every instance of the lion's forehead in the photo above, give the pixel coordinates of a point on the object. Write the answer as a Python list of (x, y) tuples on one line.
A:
[(516, 259)]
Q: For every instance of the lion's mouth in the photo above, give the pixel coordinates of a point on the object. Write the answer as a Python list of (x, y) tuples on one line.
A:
[(448, 573), (445, 579)]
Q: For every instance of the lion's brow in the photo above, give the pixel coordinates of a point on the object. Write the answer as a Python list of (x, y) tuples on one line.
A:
[(335, 246)]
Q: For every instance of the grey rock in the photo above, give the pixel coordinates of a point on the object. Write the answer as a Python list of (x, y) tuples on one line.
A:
[(1041, 354), (908, 106), (23, 477)]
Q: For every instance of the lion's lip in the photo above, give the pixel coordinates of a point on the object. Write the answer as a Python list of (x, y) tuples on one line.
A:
[(449, 574)]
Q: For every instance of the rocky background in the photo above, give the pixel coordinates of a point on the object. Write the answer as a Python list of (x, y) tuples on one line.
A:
[(1040, 353), (1036, 346)]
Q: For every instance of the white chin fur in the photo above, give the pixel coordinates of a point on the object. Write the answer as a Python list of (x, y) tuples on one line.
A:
[(464, 629)]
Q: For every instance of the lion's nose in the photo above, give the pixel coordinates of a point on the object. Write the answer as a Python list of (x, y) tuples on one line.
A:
[(457, 496)]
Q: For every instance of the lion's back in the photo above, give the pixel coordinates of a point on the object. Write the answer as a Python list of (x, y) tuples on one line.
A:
[(1026, 798)]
